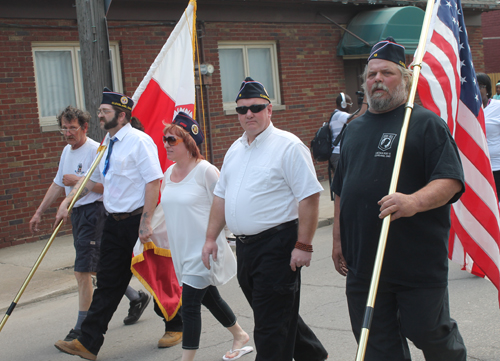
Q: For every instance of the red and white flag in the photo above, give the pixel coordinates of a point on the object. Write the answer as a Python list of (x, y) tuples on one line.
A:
[(448, 87), (167, 88)]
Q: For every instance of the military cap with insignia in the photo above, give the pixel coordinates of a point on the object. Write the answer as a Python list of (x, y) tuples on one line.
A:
[(252, 89), (388, 49), (189, 125), (116, 99)]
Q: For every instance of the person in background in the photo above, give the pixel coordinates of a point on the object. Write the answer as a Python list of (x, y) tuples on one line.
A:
[(492, 122), (497, 95)]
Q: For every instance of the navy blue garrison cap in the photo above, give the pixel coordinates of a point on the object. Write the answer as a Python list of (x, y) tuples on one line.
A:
[(190, 125), (388, 49), (116, 99), (252, 89)]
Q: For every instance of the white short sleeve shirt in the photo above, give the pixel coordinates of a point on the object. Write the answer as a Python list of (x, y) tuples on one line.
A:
[(337, 121), (77, 162), (133, 163), (492, 122), (262, 183)]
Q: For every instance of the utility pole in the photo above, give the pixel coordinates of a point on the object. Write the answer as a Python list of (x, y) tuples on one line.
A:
[(94, 54)]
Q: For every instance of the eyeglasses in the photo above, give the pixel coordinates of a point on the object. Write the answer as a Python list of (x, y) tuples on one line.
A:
[(482, 86), (172, 141), (256, 108), (104, 111), (68, 130)]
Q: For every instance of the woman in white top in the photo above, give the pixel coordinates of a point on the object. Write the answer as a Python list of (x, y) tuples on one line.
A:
[(492, 123), (186, 200)]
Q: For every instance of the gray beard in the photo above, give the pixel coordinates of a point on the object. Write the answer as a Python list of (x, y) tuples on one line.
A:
[(383, 105)]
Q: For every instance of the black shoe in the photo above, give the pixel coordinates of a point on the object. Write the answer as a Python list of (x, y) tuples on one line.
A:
[(73, 334), (136, 309)]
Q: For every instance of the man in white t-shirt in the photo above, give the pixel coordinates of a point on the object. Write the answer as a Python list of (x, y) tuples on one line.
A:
[(268, 194), (87, 217)]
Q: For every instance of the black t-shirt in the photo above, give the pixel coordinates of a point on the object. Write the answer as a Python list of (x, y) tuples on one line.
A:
[(416, 252)]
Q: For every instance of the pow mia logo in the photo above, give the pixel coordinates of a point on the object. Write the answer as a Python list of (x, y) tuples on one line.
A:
[(386, 141)]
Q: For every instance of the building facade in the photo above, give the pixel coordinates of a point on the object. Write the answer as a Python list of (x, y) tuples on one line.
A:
[(292, 46)]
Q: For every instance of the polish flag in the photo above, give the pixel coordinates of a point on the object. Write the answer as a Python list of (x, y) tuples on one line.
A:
[(167, 89)]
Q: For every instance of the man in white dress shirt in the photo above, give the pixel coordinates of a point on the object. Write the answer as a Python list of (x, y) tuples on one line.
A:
[(130, 172), (268, 194)]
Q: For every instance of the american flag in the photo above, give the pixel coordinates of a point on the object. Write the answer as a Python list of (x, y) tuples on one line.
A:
[(448, 87)]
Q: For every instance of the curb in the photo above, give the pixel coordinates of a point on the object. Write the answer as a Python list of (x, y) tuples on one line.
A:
[(321, 223), (47, 296)]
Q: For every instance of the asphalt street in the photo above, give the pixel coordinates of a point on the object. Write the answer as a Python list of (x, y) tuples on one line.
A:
[(33, 328)]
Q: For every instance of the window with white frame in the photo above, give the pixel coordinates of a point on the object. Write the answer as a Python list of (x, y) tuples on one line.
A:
[(255, 59), (59, 81)]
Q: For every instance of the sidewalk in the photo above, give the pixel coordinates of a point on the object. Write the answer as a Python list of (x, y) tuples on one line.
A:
[(55, 277)]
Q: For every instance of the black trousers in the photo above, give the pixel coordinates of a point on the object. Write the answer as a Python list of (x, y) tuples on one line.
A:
[(113, 277), (273, 291), (117, 243), (175, 324), (420, 314), (192, 299), (496, 177)]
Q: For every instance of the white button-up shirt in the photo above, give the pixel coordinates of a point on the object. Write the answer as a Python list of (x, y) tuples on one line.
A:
[(133, 163), (263, 182)]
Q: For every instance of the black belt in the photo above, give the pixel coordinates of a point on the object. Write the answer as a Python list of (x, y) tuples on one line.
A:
[(122, 216), (267, 232)]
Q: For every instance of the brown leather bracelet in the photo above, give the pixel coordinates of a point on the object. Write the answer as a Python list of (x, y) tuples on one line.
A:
[(304, 247)]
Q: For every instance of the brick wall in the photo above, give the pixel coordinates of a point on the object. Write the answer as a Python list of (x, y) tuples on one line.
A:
[(491, 29), (310, 73), (29, 158), (311, 76)]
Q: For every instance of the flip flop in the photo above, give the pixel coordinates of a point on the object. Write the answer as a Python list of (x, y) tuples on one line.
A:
[(241, 352)]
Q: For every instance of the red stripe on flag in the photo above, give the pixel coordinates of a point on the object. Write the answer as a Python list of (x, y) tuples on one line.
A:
[(424, 92), (474, 153), (154, 110), (476, 206), (483, 261)]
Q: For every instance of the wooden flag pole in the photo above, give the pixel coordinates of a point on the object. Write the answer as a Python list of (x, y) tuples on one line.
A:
[(372, 294), (100, 154)]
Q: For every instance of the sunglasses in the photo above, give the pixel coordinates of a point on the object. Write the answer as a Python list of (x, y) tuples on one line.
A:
[(256, 108), (172, 140)]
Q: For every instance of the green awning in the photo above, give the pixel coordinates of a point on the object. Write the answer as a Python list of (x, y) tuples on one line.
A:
[(402, 23)]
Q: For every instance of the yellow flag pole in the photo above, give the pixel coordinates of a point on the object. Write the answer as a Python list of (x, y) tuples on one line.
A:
[(372, 294), (100, 153)]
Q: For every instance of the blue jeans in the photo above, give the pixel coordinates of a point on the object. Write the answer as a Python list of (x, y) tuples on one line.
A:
[(192, 299)]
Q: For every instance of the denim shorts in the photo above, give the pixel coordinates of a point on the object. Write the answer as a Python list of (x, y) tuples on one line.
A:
[(88, 221)]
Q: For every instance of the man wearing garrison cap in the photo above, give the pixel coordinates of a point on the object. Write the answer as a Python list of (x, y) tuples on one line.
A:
[(412, 297), (268, 194), (130, 172)]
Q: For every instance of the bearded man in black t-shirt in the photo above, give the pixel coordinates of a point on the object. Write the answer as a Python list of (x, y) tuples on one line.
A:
[(412, 298)]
